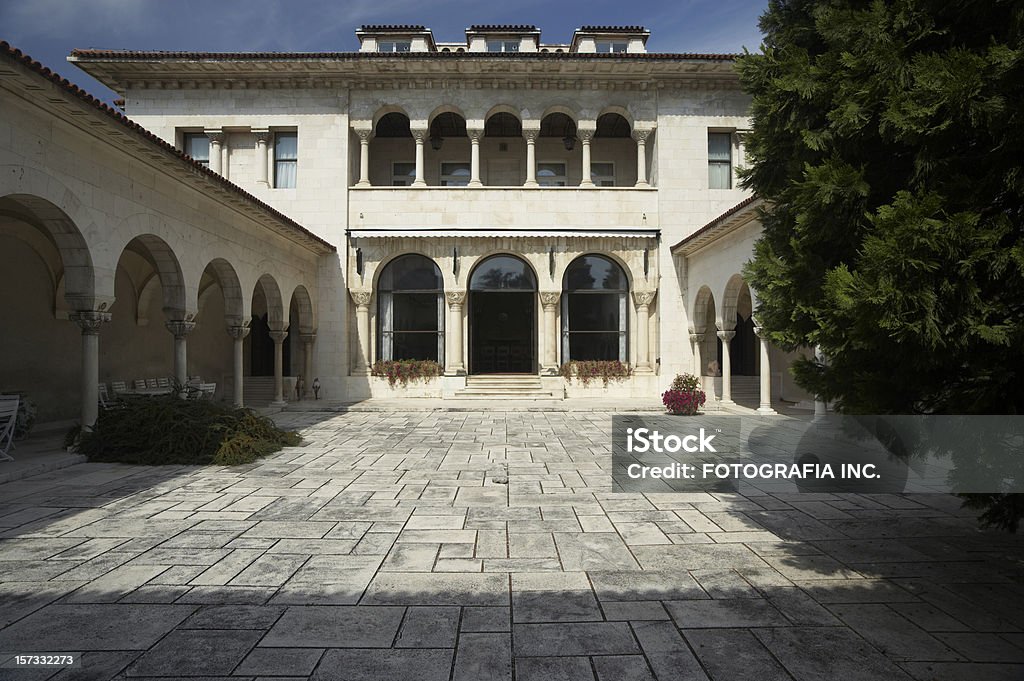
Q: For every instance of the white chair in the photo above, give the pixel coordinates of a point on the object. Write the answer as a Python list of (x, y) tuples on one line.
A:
[(163, 382), (152, 383), (207, 390), (118, 387), (140, 384), (104, 396), (8, 419)]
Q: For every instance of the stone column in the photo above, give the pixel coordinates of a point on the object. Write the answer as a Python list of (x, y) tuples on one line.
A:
[(549, 301), (420, 136), (262, 140), (765, 407), (307, 363), (641, 157), (362, 359), (643, 346), (585, 137), (90, 321), (238, 333), (364, 157), (180, 329), (531, 157), (696, 339), (474, 159), (726, 337), (456, 365), (216, 145), (278, 336)]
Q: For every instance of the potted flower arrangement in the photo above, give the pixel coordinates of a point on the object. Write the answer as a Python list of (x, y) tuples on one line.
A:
[(684, 396)]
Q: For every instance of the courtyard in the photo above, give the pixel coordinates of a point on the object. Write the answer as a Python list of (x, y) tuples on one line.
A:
[(478, 545)]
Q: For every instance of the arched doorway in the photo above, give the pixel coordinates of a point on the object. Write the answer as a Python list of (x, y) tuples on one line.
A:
[(502, 314), (410, 310)]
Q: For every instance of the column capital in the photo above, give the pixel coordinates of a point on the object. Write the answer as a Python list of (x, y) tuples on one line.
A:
[(89, 320), (644, 298), (180, 328), (308, 338), (727, 335), (278, 336), (549, 298), (455, 298), (420, 134), (364, 134), (585, 134), (360, 298), (531, 134), (238, 331), (696, 337), (641, 134), (474, 134), (216, 135), (262, 134)]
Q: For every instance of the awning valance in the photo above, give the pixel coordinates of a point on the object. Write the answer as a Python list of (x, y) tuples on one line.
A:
[(433, 233)]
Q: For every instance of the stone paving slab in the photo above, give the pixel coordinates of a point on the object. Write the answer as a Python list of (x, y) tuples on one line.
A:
[(384, 547)]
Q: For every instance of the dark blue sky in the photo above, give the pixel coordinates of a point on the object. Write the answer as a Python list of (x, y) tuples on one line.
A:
[(49, 29)]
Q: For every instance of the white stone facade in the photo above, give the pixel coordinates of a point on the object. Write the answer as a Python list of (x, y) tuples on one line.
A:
[(639, 123)]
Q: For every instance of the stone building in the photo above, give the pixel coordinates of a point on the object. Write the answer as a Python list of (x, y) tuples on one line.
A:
[(500, 204)]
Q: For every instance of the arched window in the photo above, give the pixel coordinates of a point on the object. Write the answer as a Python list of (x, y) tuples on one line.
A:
[(502, 272), (594, 292), (410, 310)]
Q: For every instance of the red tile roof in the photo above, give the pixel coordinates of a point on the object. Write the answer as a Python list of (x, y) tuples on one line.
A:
[(717, 221), (482, 28), (128, 55), (392, 28), (12, 53), (612, 29)]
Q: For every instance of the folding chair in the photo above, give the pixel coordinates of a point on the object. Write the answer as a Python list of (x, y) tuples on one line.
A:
[(139, 383), (118, 387), (163, 382), (152, 383), (8, 419), (104, 396), (207, 390)]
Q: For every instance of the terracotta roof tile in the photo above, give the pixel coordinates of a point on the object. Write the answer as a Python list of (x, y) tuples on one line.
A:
[(612, 29), (14, 54), (714, 223), (392, 28)]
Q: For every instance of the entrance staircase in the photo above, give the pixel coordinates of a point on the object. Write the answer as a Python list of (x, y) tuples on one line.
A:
[(505, 387)]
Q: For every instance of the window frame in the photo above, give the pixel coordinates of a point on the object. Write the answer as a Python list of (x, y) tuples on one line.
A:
[(505, 44), (279, 134), (611, 46), (594, 176), (397, 46), (622, 305), (403, 179), (186, 137), (719, 163), (564, 176), (386, 337), (455, 180)]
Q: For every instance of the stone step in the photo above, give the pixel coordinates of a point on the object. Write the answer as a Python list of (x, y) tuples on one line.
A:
[(505, 386)]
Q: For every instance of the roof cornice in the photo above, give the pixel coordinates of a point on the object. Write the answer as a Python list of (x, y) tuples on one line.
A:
[(739, 215), (120, 70)]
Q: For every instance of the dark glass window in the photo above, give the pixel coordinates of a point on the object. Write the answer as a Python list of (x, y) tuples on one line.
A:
[(502, 272), (410, 310), (594, 294)]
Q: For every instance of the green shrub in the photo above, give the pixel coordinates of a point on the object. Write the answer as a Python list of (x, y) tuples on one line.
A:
[(406, 370), (588, 370), (168, 430)]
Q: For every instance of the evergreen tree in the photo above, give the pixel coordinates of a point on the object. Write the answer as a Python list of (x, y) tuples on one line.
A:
[(888, 142)]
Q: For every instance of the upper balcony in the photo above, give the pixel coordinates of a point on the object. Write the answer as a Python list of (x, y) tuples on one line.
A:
[(503, 150)]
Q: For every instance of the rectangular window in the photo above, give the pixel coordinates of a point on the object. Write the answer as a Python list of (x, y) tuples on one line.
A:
[(286, 159), (720, 160), (611, 47), (502, 45), (603, 174), (394, 46), (197, 145), (551, 174), (403, 174), (455, 174)]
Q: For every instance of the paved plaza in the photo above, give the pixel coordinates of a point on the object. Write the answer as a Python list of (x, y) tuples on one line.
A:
[(472, 545)]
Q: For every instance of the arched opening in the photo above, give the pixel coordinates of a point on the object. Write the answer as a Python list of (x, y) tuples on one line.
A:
[(558, 152), (410, 310), (504, 150), (392, 152), (43, 257), (448, 152), (594, 313), (502, 313), (710, 347), (613, 152), (137, 349), (220, 305), (267, 315), (743, 349)]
